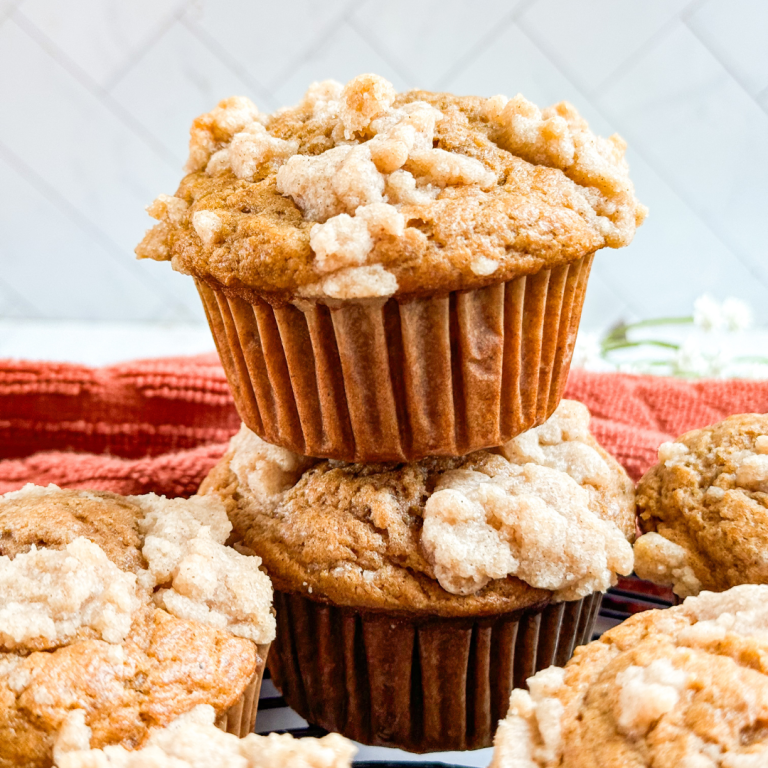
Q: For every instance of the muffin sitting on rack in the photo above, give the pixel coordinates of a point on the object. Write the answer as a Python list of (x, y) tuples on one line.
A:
[(124, 613), (411, 598), (192, 741), (704, 509), (685, 687)]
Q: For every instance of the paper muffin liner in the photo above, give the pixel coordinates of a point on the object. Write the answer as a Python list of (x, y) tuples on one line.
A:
[(383, 380), (240, 718), (420, 684)]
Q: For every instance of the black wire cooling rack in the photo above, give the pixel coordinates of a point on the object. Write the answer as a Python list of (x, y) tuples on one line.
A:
[(628, 597)]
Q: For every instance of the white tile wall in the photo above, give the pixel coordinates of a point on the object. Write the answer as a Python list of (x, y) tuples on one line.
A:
[(96, 97)]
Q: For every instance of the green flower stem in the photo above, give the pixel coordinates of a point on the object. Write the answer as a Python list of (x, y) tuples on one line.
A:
[(612, 346), (750, 359)]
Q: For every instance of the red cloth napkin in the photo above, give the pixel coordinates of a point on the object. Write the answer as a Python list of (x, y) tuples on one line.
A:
[(160, 425)]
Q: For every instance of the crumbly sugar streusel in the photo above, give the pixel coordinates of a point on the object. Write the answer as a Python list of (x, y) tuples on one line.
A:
[(547, 516), (129, 609), (704, 509), (192, 741), (361, 192), (683, 687)]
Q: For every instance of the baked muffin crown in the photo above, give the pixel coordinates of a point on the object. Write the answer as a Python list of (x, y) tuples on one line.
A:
[(193, 740), (361, 192), (127, 609), (704, 508), (546, 516), (685, 686)]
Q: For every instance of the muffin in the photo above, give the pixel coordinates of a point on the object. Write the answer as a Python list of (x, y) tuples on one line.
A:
[(393, 276), (703, 509), (685, 687), (125, 612), (411, 598), (192, 741)]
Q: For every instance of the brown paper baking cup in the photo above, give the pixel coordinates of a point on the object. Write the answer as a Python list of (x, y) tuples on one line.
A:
[(240, 718), (420, 684), (383, 380)]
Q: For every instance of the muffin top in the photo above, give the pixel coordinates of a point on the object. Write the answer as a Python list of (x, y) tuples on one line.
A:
[(193, 741), (361, 192), (546, 516), (681, 688), (128, 610), (704, 509)]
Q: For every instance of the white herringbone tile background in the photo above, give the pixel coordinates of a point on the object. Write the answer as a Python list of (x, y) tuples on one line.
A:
[(96, 97)]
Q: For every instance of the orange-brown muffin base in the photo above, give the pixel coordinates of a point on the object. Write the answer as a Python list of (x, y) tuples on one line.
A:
[(420, 684), (240, 718), (382, 380)]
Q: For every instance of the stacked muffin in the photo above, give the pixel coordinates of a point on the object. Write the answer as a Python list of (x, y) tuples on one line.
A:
[(394, 283)]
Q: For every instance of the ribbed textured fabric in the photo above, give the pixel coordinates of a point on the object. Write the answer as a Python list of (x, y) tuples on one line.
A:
[(160, 425)]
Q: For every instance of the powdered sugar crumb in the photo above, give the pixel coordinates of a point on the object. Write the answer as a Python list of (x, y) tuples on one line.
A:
[(209, 583), (367, 282), (364, 98), (193, 741), (207, 225), (343, 241), (214, 130), (647, 693), (559, 137), (268, 470), (49, 595), (662, 561), (561, 443), (530, 521)]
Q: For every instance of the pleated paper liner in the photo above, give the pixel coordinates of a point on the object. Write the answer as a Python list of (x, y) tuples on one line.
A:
[(240, 718), (380, 380), (424, 685)]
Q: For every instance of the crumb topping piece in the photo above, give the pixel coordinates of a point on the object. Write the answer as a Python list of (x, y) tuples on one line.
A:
[(193, 741), (210, 583), (704, 508), (559, 137), (420, 157), (548, 509), (50, 594), (48, 597), (687, 686)]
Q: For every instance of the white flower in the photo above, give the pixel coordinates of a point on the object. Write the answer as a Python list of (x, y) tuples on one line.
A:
[(695, 359), (736, 314), (707, 313), (587, 353)]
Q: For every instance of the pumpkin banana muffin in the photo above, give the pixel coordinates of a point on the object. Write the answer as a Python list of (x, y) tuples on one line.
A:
[(704, 509), (412, 597), (192, 741), (393, 276), (685, 687), (124, 612)]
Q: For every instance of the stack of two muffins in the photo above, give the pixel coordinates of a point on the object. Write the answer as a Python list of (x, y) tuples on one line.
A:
[(394, 283)]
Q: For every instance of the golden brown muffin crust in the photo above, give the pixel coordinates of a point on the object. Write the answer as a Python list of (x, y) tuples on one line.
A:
[(166, 667), (163, 666), (708, 497), (532, 216), (353, 534), (686, 686), (106, 519)]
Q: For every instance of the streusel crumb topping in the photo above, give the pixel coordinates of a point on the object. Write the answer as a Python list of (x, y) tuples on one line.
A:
[(47, 595), (547, 512), (128, 610), (193, 741), (686, 687), (704, 509), (361, 192)]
